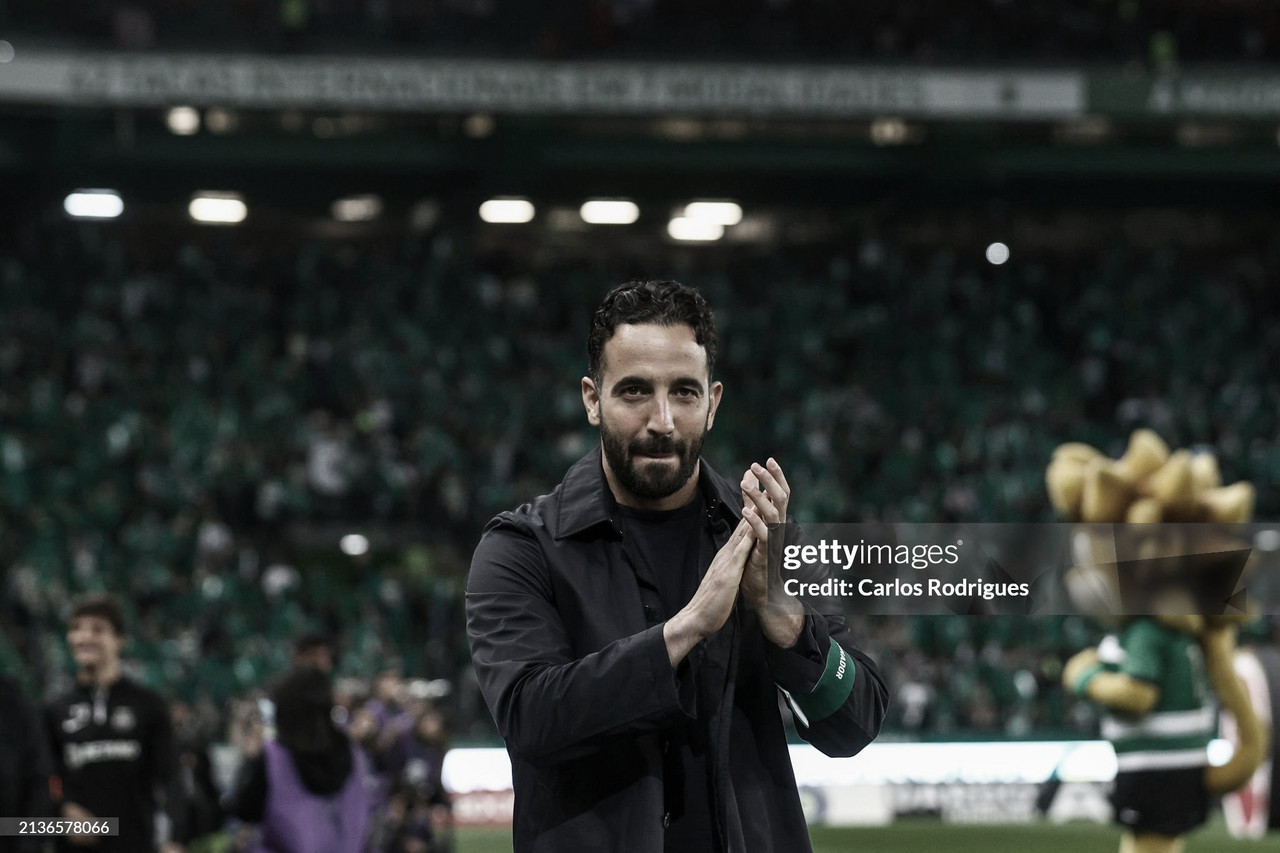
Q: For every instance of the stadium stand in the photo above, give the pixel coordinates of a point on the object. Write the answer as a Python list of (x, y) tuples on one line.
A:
[(974, 30), (149, 449)]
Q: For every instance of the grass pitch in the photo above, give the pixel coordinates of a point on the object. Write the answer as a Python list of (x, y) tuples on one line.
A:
[(927, 836)]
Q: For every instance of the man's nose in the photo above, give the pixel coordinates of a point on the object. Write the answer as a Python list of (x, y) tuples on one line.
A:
[(660, 421)]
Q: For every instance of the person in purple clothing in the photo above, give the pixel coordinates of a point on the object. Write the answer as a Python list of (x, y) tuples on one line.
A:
[(309, 789)]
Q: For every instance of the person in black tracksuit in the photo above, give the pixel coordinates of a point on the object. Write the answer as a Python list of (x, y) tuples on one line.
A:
[(24, 764), (112, 741)]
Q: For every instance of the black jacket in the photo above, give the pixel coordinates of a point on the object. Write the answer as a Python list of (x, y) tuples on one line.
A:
[(567, 642)]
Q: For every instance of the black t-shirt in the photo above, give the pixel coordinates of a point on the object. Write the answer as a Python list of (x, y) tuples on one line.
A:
[(664, 546)]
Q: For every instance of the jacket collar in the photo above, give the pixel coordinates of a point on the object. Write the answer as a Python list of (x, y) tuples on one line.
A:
[(585, 499)]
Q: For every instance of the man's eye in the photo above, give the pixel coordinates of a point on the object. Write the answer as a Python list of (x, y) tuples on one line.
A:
[(632, 391), (686, 392)]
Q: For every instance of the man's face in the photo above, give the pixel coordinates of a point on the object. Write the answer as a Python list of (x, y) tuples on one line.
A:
[(654, 405), (94, 643)]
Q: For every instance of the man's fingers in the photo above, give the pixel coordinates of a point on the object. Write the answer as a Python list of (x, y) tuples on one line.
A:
[(727, 568), (770, 500), (758, 526), (776, 470), (769, 477), (739, 548), (776, 490), (762, 504)]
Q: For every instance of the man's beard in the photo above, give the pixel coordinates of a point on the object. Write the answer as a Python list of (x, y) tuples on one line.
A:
[(646, 479)]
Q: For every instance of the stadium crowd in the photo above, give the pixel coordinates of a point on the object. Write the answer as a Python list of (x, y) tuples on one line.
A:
[(1116, 31), (172, 416), (168, 415)]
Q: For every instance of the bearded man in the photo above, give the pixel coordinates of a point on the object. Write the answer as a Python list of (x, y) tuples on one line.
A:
[(628, 635)]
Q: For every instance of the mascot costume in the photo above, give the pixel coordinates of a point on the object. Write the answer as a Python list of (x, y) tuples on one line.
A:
[(1149, 675)]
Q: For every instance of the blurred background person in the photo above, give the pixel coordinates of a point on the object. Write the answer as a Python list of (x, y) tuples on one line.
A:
[(112, 742), (392, 722), (418, 798), (25, 767), (308, 789), (202, 813), (316, 650)]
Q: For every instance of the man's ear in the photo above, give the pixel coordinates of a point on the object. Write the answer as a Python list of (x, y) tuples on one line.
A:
[(717, 388), (591, 401)]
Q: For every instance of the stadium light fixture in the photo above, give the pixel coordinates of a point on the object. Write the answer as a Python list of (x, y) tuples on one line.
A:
[(354, 544), (216, 208), (220, 120), (479, 126), (93, 204), (357, 208), (997, 253), (507, 211), (609, 211), (888, 131), (182, 121), (723, 212), (694, 230)]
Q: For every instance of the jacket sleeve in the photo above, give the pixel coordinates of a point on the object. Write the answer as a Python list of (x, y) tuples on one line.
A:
[(549, 705), (834, 690)]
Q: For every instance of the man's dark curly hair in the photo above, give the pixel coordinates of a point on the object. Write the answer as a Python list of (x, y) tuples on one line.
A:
[(666, 303)]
